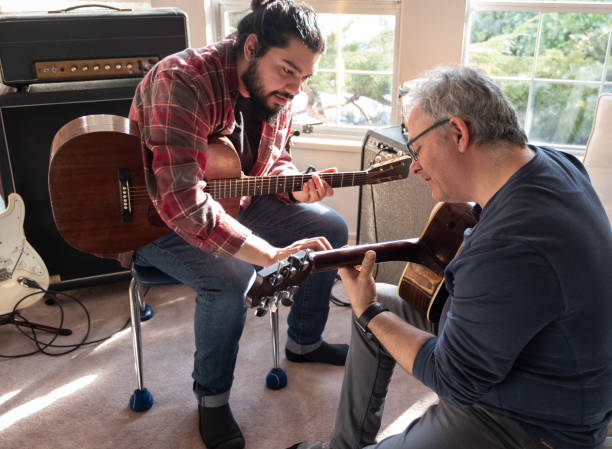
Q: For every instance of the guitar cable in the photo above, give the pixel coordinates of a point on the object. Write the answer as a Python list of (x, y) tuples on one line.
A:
[(41, 346)]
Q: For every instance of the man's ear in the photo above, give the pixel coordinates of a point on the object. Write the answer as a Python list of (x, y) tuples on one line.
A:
[(251, 44), (460, 133)]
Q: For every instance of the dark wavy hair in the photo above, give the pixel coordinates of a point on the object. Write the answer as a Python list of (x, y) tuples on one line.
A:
[(274, 22)]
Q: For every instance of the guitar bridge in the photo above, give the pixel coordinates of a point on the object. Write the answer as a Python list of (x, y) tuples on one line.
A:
[(125, 199)]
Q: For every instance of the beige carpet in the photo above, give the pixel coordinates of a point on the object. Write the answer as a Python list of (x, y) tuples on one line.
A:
[(80, 400)]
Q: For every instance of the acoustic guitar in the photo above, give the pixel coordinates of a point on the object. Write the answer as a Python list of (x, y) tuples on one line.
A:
[(99, 198), (422, 283)]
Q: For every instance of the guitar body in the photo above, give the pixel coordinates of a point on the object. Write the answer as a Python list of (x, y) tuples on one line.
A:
[(97, 186), (17, 259), (98, 192), (423, 285)]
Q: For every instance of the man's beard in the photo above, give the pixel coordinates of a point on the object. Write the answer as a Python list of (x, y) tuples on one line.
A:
[(254, 86)]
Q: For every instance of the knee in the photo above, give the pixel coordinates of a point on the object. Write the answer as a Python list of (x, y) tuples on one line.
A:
[(335, 228)]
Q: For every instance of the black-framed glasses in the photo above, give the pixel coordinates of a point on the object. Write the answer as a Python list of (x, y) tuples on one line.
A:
[(414, 154)]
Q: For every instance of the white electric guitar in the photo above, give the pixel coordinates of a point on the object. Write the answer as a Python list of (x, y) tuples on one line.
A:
[(19, 263)]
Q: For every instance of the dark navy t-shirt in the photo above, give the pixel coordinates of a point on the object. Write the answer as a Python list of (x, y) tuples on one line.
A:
[(528, 332)]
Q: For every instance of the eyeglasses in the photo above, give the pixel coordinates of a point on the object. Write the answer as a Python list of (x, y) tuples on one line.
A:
[(414, 154)]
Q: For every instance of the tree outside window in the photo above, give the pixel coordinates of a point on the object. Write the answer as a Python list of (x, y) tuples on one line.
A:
[(550, 60)]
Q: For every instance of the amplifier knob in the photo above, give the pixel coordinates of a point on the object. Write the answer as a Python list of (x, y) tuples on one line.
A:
[(129, 66), (107, 66), (73, 68), (96, 67), (118, 66), (85, 68)]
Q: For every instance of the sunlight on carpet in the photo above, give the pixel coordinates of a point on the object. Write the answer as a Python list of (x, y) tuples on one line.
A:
[(414, 411), (38, 404)]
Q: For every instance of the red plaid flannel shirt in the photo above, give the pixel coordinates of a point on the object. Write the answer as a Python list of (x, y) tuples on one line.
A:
[(184, 99)]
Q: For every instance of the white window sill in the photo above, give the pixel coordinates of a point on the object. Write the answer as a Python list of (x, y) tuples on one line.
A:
[(326, 143)]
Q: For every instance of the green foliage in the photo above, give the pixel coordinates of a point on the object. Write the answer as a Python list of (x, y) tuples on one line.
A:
[(572, 47), (372, 53)]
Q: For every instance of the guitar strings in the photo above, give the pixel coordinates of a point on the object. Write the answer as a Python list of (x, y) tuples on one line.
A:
[(236, 187)]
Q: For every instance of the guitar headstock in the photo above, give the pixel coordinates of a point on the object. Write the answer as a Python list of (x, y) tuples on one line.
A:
[(389, 170), (279, 280)]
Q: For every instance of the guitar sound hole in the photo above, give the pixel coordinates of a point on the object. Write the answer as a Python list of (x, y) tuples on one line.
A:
[(451, 225)]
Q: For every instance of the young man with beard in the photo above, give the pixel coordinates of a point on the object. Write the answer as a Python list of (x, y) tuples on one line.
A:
[(522, 357), (242, 88)]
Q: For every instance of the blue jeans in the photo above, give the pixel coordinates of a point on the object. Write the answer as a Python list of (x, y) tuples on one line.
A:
[(221, 285)]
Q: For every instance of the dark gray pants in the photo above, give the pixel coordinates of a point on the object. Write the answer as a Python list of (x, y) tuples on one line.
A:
[(367, 375)]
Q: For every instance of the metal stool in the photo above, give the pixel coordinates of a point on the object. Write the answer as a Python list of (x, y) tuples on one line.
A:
[(142, 399)]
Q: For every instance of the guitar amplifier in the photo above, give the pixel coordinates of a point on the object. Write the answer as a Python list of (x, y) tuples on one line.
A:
[(87, 44), (390, 211)]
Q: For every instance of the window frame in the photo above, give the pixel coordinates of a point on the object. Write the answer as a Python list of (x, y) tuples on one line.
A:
[(373, 7), (540, 7)]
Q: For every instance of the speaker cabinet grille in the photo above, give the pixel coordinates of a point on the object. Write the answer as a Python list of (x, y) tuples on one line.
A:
[(394, 210), (28, 123)]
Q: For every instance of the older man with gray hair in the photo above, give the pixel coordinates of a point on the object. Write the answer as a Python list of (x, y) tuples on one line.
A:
[(522, 356)]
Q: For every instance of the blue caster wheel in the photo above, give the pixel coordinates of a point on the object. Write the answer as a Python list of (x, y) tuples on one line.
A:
[(276, 379), (141, 400), (147, 313)]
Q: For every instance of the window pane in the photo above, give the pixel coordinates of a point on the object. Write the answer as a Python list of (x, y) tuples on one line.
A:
[(563, 113), (518, 94), (573, 46), (503, 42), (366, 41), (341, 93), (350, 99)]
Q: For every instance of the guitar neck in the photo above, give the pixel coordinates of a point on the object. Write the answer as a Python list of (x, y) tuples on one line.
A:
[(410, 250), (267, 185)]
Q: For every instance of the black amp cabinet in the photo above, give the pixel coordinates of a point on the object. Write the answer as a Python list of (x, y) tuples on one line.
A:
[(394, 210), (28, 122), (62, 65)]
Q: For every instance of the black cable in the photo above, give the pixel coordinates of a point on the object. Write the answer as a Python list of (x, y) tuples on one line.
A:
[(42, 346)]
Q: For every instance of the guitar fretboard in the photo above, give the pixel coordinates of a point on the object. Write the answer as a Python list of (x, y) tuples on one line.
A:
[(267, 185)]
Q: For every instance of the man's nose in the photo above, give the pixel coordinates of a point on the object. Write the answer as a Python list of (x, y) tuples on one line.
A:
[(295, 87)]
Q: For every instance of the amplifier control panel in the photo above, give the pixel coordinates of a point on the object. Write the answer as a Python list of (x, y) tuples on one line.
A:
[(385, 141), (86, 69)]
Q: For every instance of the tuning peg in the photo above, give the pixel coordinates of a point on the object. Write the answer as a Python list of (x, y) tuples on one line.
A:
[(400, 153), (276, 279), (260, 311), (377, 159), (286, 298), (388, 157)]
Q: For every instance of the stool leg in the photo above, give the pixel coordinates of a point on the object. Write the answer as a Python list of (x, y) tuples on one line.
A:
[(276, 378), (141, 399), (274, 329)]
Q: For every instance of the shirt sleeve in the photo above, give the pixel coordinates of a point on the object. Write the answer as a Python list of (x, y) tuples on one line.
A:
[(490, 322), (175, 118)]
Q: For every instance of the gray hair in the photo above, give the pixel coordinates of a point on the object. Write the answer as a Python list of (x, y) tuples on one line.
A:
[(470, 95)]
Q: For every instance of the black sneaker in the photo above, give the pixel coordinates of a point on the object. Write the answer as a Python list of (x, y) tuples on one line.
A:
[(334, 354), (219, 429)]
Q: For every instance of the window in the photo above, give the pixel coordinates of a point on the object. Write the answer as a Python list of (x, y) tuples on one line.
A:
[(355, 81), (550, 58)]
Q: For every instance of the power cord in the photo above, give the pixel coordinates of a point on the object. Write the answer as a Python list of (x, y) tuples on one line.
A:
[(58, 331)]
